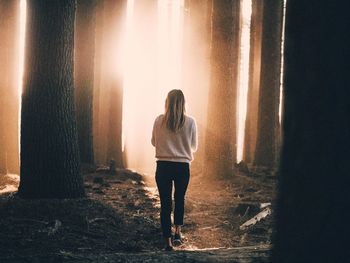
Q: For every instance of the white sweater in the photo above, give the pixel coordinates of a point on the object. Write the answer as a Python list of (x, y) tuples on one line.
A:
[(175, 146)]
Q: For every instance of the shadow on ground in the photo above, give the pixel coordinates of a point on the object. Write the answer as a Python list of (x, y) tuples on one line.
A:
[(119, 222)]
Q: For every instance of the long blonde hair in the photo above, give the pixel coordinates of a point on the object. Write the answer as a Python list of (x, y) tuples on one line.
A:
[(175, 110)]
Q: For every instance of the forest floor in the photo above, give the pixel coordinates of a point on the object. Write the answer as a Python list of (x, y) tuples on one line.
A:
[(119, 221)]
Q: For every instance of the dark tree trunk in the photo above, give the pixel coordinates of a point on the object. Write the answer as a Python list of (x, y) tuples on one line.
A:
[(98, 81), (268, 123), (102, 101), (313, 202), (254, 81), (84, 76), (221, 133), (9, 93), (114, 150), (50, 163)]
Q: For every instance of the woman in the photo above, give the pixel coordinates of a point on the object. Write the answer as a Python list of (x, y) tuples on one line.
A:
[(174, 136)]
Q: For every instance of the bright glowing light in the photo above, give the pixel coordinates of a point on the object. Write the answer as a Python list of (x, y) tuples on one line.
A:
[(246, 12), (22, 26), (282, 62), (169, 47), (152, 67)]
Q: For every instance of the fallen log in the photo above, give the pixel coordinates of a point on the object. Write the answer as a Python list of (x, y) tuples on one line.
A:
[(256, 219)]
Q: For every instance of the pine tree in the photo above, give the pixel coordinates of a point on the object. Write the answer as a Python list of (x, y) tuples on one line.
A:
[(50, 164), (266, 151), (221, 133)]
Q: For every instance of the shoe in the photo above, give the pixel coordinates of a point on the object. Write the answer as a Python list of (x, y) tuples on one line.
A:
[(177, 240), (168, 248)]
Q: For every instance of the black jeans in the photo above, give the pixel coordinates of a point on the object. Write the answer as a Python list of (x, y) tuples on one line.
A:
[(166, 173)]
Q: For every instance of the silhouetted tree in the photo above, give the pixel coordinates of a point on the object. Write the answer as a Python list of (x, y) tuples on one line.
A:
[(110, 104), (98, 81), (84, 76), (221, 133), (50, 165), (313, 201), (254, 81), (268, 123), (115, 15), (9, 93)]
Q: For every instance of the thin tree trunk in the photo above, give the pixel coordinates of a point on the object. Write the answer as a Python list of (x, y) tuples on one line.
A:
[(254, 81), (97, 81), (312, 209), (114, 150), (9, 94), (110, 86), (50, 163), (268, 122), (84, 76), (221, 132), (196, 63), (115, 14)]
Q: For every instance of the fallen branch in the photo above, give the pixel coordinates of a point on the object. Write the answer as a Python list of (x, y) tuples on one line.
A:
[(256, 219), (263, 205)]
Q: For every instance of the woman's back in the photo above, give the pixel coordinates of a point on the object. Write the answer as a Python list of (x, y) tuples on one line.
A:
[(174, 146)]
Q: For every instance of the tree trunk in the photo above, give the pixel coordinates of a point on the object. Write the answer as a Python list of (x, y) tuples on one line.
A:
[(84, 76), (312, 208), (50, 164), (196, 55), (114, 150), (103, 90), (9, 90), (221, 133), (110, 86), (98, 81), (268, 123), (254, 81), (116, 15)]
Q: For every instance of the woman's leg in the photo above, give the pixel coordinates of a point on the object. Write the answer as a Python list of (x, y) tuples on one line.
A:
[(181, 180), (164, 184)]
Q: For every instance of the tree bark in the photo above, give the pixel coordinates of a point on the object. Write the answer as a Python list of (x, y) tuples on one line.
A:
[(9, 90), (103, 89), (254, 81), (312, 209), (50, 163), (98, 81), (84, 76), (116, 15), (111, 84), (268, 122), (221, 132), (196, 55)]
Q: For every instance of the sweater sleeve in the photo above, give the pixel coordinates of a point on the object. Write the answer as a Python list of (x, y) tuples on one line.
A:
[(153, 140), (194, 137)]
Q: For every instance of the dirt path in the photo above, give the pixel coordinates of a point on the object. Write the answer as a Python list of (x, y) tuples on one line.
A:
[(216, 210), (119, 222)]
